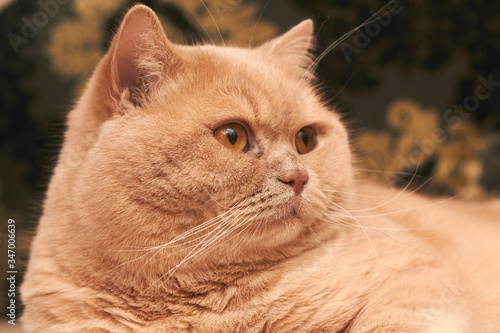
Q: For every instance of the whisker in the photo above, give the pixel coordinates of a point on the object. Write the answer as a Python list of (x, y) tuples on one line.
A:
[(340, 221), (251, 237), (371, 19), (173, 242), (351, 193), (352, 200), (214, 200), (197, 229), (364, 231), (343, 87), (201, 26), (322, 244), (203, 226), (409, 209), (257, 22), (396, 196), (381, 231), (389, 172), (213, 20), (197, 249), (222, 225)]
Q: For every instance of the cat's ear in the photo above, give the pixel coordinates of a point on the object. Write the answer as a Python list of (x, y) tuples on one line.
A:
[(293, 47), (141, 55)]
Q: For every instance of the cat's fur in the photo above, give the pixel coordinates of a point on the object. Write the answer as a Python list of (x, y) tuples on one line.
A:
[(140, 166)]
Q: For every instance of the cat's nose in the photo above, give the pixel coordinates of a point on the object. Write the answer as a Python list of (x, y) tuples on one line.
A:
[(295, 178)]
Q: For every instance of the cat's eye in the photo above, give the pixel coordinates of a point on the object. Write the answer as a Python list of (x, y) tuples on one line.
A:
[(305, 140), (232, 136)]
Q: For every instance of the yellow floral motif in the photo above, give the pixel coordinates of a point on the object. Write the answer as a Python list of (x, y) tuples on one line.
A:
[(414, 137), (75, 49), (96, 9), (76, 45), (228, 21), (458, 160)]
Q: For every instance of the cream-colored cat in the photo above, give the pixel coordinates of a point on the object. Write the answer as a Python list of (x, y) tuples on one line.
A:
[(208, 189)]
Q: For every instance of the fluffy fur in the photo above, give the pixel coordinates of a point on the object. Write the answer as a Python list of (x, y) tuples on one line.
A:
[(151, 225)]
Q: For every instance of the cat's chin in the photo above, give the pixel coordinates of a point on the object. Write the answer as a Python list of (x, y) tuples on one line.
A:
[(283, 220), (287, 215)]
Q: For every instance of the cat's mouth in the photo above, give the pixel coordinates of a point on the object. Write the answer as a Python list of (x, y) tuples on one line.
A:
[(288, 211), (271, 208)]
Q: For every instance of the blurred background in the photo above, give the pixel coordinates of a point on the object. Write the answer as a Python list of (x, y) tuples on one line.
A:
[(418, 85)]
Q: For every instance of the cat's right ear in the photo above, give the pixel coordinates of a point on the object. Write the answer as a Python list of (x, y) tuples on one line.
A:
[(292, 48), (141, 55)]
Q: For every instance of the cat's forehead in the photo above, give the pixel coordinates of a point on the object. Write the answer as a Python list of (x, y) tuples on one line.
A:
[(237, 84)]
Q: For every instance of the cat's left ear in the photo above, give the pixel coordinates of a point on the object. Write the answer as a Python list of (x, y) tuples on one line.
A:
[(292, 49), (141, 56)]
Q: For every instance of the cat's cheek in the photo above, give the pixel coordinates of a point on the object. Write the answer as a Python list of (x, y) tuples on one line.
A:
[(330, 166), (313, 201), (228, 177)]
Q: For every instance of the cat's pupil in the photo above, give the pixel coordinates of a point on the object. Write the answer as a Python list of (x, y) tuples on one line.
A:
[(231, 135), (305, 137)]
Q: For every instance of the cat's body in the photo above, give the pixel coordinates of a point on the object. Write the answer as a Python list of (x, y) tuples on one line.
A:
[(152, 225)]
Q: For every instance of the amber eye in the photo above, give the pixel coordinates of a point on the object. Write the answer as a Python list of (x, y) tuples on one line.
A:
[(232, 136), (305, 139)]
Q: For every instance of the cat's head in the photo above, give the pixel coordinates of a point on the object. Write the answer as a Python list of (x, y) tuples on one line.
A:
[(203, 149)]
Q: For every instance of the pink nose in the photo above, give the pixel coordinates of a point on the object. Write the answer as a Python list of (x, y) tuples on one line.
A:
[(296, 179)]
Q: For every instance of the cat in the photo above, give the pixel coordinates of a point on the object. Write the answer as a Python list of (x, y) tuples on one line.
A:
[(210, 189)]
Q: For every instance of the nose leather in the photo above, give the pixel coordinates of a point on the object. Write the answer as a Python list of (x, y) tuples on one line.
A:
[(295, 178)]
